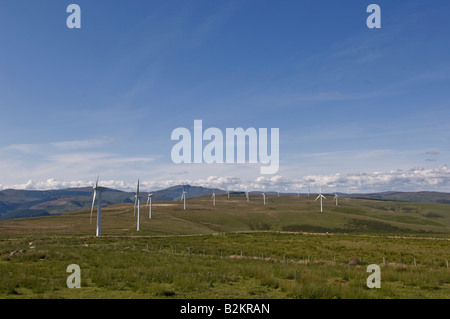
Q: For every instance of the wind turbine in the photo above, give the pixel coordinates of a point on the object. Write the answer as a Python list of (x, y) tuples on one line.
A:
[(228, 192), (320, 196), (246, 195), (308, 191), (264, 197), (214, 198), (183, 197), (99, 206), (149, 204), (298, 193), (278, 192), (336, 197), (137, 203)]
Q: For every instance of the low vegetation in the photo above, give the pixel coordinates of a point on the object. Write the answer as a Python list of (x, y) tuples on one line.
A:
[(233, 250)]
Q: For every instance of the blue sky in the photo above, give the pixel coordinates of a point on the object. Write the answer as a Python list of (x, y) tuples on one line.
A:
[(358, 109)]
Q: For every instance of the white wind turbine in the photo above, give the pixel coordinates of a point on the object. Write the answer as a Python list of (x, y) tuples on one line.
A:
[(298, 193), (308, 191), (214, 198), (137, 203), (336, 198), (320, 196), (149, 204), (183, 197), (99, 206), (264, 197), (278, 192), (246, 195)]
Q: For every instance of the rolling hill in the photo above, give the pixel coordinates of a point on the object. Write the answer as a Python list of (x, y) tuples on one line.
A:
[(31, 203), (284, 213), (424, 197)]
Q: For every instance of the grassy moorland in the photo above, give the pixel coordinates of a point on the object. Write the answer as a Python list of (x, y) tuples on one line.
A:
[(286, 249)]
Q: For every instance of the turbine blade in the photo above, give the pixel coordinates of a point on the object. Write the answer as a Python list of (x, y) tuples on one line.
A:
[(317, 197), (92, 207)]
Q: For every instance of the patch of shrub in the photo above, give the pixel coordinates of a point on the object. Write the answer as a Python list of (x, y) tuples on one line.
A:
[(308, 228), (433, 215)]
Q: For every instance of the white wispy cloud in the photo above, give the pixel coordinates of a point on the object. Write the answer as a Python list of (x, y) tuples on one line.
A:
[(42, 164), (60, 145), (81, 144), (414, 179)]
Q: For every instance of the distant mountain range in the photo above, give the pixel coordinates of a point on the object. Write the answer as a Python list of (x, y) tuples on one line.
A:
[(32, 203)]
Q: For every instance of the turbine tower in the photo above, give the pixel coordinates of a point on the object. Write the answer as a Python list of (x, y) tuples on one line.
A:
[(99, 206), (336, 198), (183, 197), (320, 196), (149, 204), (214, 198), (264, 197), (137, 203), (246, 195)]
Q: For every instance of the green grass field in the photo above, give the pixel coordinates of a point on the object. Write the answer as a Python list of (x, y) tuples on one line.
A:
[(286, 249)]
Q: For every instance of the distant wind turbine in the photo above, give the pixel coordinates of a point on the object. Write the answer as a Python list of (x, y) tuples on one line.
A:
[(137, 203), (336, 198), (214, 198), (183, 197), (246, 195), (99, 206), (320, 196), (149, 204), (264, 197)]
